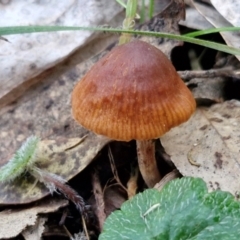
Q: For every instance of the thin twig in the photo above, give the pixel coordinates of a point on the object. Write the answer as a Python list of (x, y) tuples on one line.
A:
[(67, 232), (132, 183), (100, 205), (224, 72), (4, 39), (63, 218), (167, 178), (85, 228), (114, 169)]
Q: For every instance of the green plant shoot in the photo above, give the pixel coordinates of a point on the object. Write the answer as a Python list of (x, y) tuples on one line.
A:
[(23, 159)]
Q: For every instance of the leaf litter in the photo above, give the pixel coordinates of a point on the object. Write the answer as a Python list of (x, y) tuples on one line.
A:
[(218, 20), (201, 148), (13, 222), (212, 135)]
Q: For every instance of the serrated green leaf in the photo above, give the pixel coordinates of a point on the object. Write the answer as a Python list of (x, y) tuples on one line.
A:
[(182, 210)]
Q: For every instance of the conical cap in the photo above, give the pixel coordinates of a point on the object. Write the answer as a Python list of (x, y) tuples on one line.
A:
[(134, 92)]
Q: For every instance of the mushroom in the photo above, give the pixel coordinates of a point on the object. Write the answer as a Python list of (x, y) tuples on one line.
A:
[(133, 92)]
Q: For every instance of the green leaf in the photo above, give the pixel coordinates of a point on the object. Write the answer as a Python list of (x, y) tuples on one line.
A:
[(212, 30), (123, 4), (182, 210), (23, 160)]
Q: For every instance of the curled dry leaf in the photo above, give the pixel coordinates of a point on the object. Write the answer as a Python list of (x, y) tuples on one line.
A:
[(217, 20), (212, 135), (13, 222), (64, 157), (229, 10)]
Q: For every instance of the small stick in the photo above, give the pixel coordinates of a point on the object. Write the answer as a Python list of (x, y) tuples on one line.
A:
[(63, 218), (167, 178), (100, 205), (4, 39), (67, 232), (114, 169), (224, 72), (85, 228), (132, 183)]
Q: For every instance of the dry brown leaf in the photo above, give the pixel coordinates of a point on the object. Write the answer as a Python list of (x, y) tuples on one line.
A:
[(45, 110), (206, 88), (64, 157), (195, 20), (35, 232), (114, 197), (217, 20), (229, 10), (30, 54), (210, 138), (13, 222)]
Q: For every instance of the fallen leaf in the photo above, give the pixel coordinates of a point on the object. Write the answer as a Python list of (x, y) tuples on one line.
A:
[(210, 89), (30, 54), (114, 197), (195, 20), (211, 139), (229, 10), (45, 110), (35, 232), (64, 157), (13, 222), (217, 20)]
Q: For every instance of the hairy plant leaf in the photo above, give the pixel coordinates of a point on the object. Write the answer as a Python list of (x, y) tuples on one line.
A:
[(182, 210)]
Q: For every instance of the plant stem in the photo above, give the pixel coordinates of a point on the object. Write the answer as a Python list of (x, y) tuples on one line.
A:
[(151, 8), (54, 182), (147, 162), (128, 23), (142, 11)]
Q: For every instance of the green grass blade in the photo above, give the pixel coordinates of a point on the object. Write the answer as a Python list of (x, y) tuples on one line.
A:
[(151, 8), (34, 29), (142, 12), (212, 30), (121, 3)]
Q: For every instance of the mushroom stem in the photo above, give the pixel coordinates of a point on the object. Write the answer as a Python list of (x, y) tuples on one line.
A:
[(147, 162)]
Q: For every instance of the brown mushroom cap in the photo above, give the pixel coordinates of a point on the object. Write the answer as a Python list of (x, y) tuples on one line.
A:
[(134, 92)]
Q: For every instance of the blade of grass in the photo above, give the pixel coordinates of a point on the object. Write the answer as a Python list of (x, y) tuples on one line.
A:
[(142, 13), (212, 30), (151, 8), (122, 3), (34, 29)]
